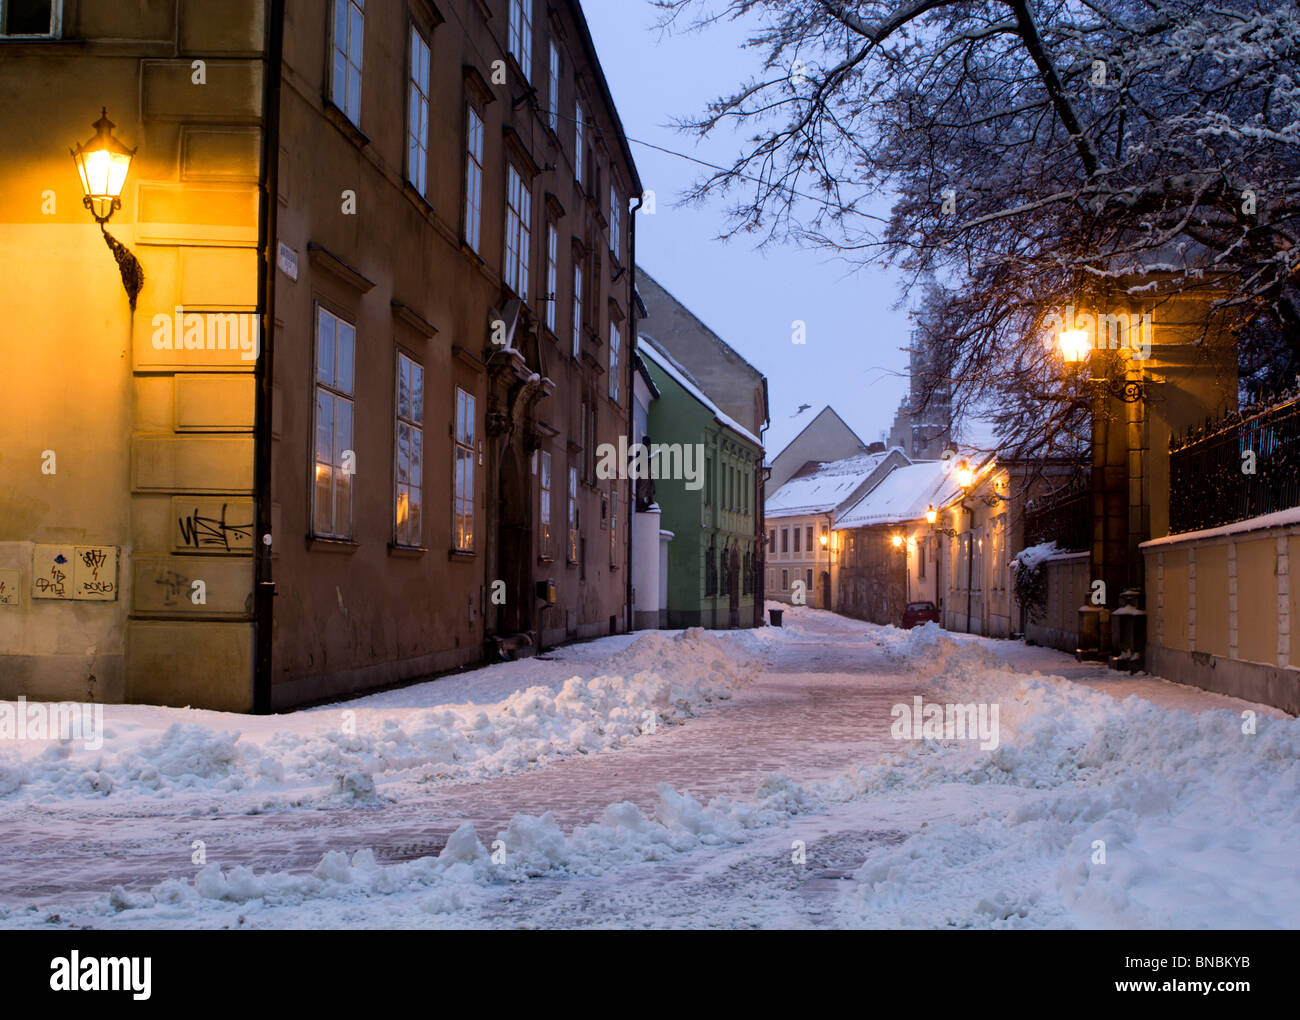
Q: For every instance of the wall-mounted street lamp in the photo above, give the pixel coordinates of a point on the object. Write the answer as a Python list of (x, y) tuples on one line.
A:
[(965, 474), (1075, 346), (103, 163), (896, 541)]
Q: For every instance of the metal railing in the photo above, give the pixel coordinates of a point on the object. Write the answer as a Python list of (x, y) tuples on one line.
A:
[(1244, 465), (1063, 516)]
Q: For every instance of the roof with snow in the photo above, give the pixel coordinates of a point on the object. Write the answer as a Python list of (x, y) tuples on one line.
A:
[(824, 489), (904, 495), (651, 350)]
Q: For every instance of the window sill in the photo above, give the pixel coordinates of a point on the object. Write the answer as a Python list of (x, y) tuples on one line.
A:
[(344, 123), (546, 560), (461, 555), (413, 193), (332, 545), (409, 552)]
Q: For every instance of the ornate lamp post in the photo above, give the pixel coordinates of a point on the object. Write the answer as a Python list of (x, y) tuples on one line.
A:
[(103, 163)]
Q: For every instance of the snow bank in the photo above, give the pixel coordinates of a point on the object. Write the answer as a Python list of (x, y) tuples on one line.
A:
[(336, 755), (1092, 812)]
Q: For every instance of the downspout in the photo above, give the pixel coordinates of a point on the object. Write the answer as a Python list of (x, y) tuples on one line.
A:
[(631, 397), (267, 237)]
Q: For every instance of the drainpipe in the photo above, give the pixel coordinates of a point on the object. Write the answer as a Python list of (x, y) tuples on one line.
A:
[(267, 238), (631, 393)]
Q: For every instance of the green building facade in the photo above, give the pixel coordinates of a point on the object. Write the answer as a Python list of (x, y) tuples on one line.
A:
[(714, 512)]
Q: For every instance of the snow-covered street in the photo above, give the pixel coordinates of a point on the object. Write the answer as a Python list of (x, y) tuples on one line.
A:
[(737, 779)]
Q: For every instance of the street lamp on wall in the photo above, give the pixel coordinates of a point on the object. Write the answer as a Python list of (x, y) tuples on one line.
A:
[(103, 163)]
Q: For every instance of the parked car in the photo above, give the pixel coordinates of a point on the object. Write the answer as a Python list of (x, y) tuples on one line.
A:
[(917, 613)]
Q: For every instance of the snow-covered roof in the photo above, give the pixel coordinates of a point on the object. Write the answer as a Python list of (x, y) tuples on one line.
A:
[(665, 361), (904, 495), (824, 489)]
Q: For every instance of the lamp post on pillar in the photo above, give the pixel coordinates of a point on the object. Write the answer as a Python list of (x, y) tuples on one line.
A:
[(1120, 480)]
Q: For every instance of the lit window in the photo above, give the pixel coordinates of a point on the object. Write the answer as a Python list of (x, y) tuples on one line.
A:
[(31, 18), (463, 506), (544, 503), (519, 207), (521, 35), (615, 342), (417, 115), (345, 83), (408, 478), (473, 177), (335, 459), (552, 274), (553, 89)]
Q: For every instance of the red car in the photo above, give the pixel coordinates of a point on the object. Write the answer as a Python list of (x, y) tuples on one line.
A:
[(918, 613)]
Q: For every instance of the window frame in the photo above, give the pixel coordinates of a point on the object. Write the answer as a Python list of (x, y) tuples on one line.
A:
[(56, 23), (615, 223), (552, 275), (553, 86), (344, 102), (472, 210), (577, 308), (615, 360), (573, 518), (464, 449), (338, 396), (579, 140), (417, 97), (518, 232), (545, 480), (414, 421), (519, 33)]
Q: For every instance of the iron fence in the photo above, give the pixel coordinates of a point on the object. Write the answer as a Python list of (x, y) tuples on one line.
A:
[(1244, 465), (1063, 516)]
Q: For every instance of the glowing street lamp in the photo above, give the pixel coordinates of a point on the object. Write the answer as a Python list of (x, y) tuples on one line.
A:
[(103, 163), (1074, 345), (931, 515), (896, 541), (965, 475)]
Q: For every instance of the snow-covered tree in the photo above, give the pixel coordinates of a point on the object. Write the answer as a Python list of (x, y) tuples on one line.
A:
[(1037, 154)]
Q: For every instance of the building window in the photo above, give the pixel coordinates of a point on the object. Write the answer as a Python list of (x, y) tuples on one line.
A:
[(31, 18), (785, 544), (473, 177), (572, 546), (615, 224), (553, 89), (335, 459), (785, 580), (808, 539), (710, 570), (613, 529), (521, 35), (463, 508), (615, 342), (544, 502), (345, 83), (708, 481), (920, 560), (771, 541), (417, 115), (797, 532), (519, 210), (577, 309), (409, 475), (552, 274), (808, 580), (578, 142)]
